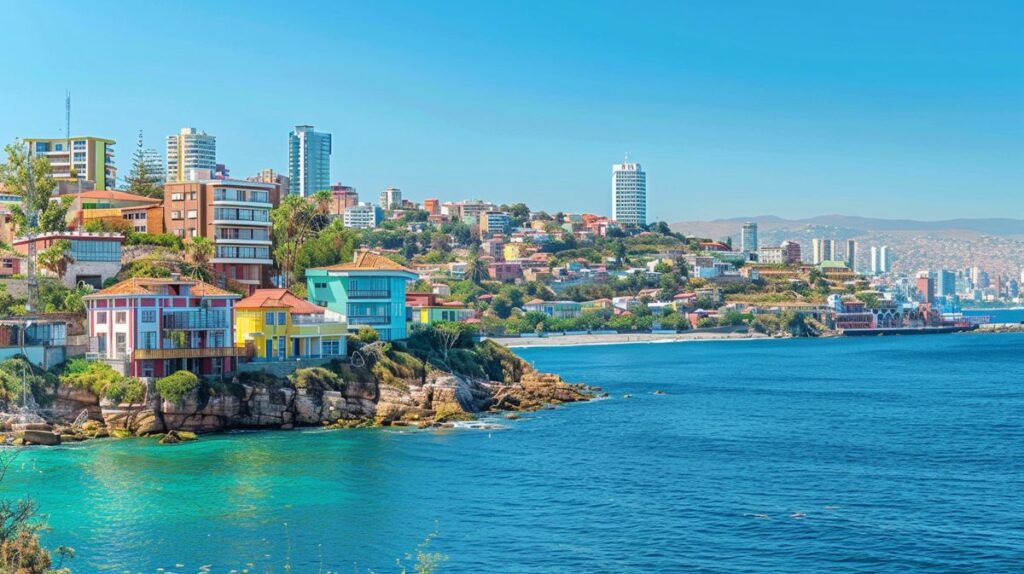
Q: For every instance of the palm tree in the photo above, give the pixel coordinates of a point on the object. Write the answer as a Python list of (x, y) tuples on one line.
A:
[(322, 202), (199, 251), (476, 270)]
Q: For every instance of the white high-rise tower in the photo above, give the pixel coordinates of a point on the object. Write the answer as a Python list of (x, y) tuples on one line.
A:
[(629, 194)]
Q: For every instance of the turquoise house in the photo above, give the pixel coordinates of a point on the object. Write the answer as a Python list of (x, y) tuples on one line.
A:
[(370, 292)]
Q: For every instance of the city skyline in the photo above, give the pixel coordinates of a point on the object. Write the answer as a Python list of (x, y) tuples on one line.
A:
[(910, 110)]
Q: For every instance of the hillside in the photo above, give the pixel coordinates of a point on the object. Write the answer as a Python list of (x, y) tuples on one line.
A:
[(995, 244)]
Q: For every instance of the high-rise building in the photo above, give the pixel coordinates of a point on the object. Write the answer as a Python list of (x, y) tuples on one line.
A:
[(88, 159), (748, 237), (823, 250), (925, 287), (629, 194), (391, 198), (191, 155), (433, 207), (309, 161), (851, 255), (876, 267), (155, 168), (884, 259), (235, 215), (946, 286)]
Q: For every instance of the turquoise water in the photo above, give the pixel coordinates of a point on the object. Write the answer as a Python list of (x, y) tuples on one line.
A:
[(887, 454)]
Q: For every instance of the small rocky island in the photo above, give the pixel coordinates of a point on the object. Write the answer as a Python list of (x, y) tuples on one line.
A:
[(425, 381)]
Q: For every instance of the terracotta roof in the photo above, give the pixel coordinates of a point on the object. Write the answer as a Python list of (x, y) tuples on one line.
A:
[(535, 302), (114, 194), (278, 298), (368, 261), (144, 286)]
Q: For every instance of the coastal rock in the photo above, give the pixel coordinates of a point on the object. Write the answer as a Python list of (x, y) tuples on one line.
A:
[(40, 437)]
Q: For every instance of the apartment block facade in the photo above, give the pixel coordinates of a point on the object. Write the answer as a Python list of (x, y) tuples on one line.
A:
[(235, 215), (79, 158)]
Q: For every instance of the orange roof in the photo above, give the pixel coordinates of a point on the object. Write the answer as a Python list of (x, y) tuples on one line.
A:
[(535, 302), (277, 299), (367, 261), (144, 285), (114, 194)]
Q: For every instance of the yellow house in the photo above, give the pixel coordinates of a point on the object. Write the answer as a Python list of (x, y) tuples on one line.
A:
[(512, 251), (281, 326)]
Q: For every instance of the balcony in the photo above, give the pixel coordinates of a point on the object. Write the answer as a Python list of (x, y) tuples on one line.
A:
[(369, 319), (195, 321), (369, 294), (192, 353)]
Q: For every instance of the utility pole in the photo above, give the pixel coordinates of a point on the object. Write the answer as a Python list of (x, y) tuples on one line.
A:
[(31, 221)]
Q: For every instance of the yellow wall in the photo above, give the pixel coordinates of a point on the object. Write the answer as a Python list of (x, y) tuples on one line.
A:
[(250, 326)]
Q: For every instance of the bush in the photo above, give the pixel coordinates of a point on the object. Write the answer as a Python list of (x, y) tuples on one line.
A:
[(176, 385), (367, 335), (316, 380), (102, 380)]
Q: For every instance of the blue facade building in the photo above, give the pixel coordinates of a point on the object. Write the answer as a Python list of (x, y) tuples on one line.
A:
[(309, 161)]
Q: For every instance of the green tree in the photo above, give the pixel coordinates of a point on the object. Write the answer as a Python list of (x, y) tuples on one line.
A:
[(294, 221), (56, 258), (140, 181), (14, 177), (476, 270), (199, 251)]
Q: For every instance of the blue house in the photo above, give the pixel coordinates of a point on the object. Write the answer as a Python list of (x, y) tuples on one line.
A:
[(370, 292)]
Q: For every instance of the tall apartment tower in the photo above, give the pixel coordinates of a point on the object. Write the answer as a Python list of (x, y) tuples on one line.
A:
[(884, 259), (851, 254), (82, 158), (823, 250), (309, 161), (391, 198), (629, 194), (748, 237), (876, 266), (189, 151)]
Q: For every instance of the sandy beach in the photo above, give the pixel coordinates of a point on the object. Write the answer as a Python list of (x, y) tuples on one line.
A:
[(619, 338)]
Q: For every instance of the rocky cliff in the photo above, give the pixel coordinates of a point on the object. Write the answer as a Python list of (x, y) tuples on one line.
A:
[(437, 399)]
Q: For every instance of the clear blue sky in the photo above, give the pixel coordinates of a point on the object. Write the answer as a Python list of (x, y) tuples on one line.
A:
[(888, 109)]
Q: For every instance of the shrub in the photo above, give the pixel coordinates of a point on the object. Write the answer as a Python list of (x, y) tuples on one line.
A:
[(176, 385), (316, 380), (102, 380), (367, 335)]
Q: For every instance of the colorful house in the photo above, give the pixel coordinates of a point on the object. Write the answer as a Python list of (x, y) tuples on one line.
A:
[(369, 292), (147, 327), (280, 326), (555, 309), (429, 308)]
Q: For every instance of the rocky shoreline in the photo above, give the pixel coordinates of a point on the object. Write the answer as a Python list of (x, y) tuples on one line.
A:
[(440, 398)]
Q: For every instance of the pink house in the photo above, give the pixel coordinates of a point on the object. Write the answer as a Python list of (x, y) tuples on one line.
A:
[(147, 327)]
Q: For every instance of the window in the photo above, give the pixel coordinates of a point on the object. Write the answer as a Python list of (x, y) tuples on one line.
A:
[(121, 317), (331, 348), (193, 214), (179, 232), (320, 286), (149, 316), (192, 232), (147, 368), (148, 340), (101, 317), (281, 320), (177, 196), (101, 344), (269, 319), (192, 196), (175, 214)]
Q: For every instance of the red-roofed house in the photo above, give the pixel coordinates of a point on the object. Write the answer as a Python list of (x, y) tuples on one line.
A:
[(280, 326)]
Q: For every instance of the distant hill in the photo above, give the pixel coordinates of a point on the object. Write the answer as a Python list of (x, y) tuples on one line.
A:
[(994, 244)]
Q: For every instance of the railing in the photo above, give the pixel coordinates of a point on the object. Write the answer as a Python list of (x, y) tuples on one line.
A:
[(195, 321), (243, 235), (221, 196), (369, 319), (192, 353), (369, 294)]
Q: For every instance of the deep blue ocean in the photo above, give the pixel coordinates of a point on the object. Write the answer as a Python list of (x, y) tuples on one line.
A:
[(888, 454)]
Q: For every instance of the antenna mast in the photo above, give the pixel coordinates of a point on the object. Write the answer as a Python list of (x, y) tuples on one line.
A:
[(31, 221)]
